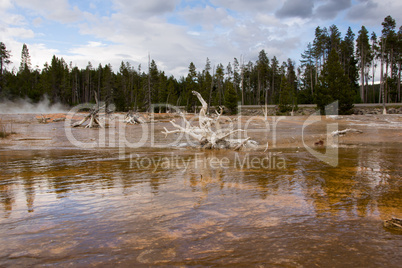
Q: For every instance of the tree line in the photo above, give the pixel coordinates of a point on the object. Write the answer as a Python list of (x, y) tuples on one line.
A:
[(331, 68)]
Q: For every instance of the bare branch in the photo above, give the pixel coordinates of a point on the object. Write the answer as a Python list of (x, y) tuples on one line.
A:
[(209, 132)]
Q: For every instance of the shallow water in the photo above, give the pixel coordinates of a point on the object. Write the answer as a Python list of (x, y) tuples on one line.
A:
[(195, 208)]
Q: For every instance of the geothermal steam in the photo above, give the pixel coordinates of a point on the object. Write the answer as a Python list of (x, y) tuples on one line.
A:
[(26, 106)]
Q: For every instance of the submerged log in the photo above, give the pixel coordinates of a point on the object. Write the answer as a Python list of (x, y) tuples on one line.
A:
[(209, 133)]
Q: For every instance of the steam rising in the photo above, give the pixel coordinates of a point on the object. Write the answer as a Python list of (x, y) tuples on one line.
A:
[(26, 106)]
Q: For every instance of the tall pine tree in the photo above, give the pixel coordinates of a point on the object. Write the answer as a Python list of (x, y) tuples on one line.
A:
[(4, 60)]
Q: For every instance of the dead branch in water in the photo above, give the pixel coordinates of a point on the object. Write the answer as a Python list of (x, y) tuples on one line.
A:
[(209, 133)]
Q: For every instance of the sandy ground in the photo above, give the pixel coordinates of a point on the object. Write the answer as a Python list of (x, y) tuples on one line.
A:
[(47, 131)]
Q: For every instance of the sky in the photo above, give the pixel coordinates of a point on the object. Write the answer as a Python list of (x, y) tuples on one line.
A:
[(177, 32)]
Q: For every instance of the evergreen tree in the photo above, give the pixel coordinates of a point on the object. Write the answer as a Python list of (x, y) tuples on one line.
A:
[(364, 55), (333, 85), (262, 75), (275, 80), (191, 84), (25, 59), (399, 61), (236, 76), (334, 39), (308, 74), (4, 60), (288, 88), (120, 95), (375, 55), (209, 83), (231, 99), (152, 93), (388, 46), (26, 83), (320, 46), (348, 59), (107, 84), (54, 82), (285, 96), (219, 82)]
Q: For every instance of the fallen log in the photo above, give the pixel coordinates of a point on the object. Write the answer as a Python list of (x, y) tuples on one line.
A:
[(343, 132)]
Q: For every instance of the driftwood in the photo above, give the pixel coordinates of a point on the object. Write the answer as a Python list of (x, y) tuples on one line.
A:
[(131, 118), (93, 115), (43, 119), (93, 119), (209, 133), (394, 223), (58, 119), (33, 139), (343, 132)]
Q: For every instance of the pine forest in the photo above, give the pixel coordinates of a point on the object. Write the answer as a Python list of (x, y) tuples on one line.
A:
[(332, 67)]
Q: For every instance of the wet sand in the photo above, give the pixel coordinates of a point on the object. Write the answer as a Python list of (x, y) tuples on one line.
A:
[(278, 132), (166, 203)]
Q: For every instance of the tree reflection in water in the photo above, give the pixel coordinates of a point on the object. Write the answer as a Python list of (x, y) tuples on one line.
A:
[(208, 210)]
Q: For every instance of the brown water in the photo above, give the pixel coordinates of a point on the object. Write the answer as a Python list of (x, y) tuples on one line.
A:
[(193, 208)]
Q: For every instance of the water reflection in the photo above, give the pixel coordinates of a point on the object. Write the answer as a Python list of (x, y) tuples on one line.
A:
[(191, 207)]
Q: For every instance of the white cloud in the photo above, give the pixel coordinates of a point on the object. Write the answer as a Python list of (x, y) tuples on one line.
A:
[(15, 20), (12, 32), (373, 12), (194, 33), (37, 22), (145, 8), (329, 9), (208, 17), (5, 4), (176, 33), (249, 5), (296, 8), (56, 10), (95, 44)]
